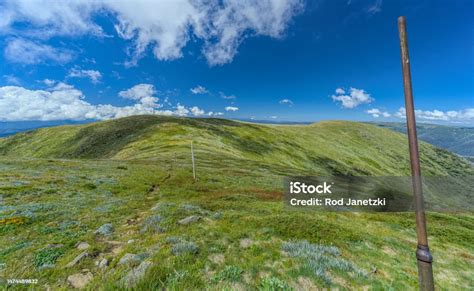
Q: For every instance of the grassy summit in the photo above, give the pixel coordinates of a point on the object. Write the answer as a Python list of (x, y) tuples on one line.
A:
[(333, 147), (124, 188)]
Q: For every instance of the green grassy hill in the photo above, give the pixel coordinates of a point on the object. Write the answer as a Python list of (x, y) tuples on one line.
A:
[(334, 147), (113, 205)]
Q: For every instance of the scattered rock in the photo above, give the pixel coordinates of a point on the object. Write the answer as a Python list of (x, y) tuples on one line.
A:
[(105, 229), (136, 274), (132, 259), (80, 280), (130, 241), (246, 243), (216, 215), (129, 258), (103, 263), (77, 259), (82, 246), (189, 219)]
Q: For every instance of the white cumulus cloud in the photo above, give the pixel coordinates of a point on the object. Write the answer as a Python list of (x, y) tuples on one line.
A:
[(464, 115), (50, 18), (49, 82), (210, 113), (29, 52), (64, 102), (10, 79), (199, 90), (228, 97), (93, 75), (286, 102), (375, 112), (164, 27), (138, 92), (354, 98), (231, 108), (18, 103), (196, 111), (181, 110), (144, 94)]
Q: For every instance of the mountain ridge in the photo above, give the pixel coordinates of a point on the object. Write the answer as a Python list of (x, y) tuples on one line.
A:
[(325, 147), (457, 139)]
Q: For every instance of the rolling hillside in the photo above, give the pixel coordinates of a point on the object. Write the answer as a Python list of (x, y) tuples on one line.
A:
[(335, 147), (113, 206)]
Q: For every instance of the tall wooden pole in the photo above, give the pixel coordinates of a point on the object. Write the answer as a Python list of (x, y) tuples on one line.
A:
[(423, 255)]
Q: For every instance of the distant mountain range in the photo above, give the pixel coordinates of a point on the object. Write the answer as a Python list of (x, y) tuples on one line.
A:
[(456, 139), (12, 127)]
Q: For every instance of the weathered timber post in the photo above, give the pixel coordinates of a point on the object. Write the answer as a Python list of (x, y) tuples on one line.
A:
[(423, 255)]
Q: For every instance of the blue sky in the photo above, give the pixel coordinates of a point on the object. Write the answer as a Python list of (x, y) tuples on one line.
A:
[(282, 60)]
